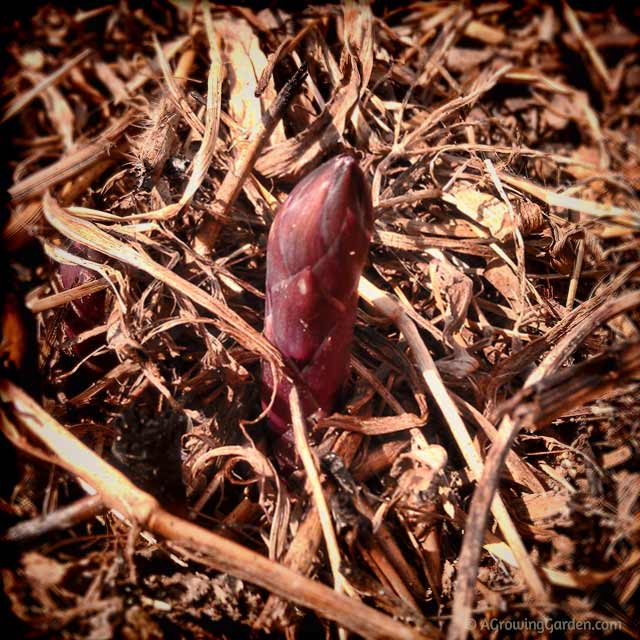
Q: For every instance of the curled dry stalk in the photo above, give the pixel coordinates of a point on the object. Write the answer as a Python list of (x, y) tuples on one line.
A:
[(87, 234), (340, 583), (119, 493), (237, 175), (534, 407), (387, 305)]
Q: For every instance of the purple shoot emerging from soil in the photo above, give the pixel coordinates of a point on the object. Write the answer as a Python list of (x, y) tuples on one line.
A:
[(89, 311), (317, 248)]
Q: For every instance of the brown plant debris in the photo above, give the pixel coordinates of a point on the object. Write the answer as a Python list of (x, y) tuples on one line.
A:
[(481, 474)]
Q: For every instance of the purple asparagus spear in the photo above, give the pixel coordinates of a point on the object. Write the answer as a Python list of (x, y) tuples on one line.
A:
[(316, 251), (87, 312)]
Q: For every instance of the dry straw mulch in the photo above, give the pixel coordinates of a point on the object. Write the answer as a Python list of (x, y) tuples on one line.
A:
[(482, 470)]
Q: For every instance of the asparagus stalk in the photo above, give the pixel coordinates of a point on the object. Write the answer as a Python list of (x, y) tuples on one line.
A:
[(316, 252)]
